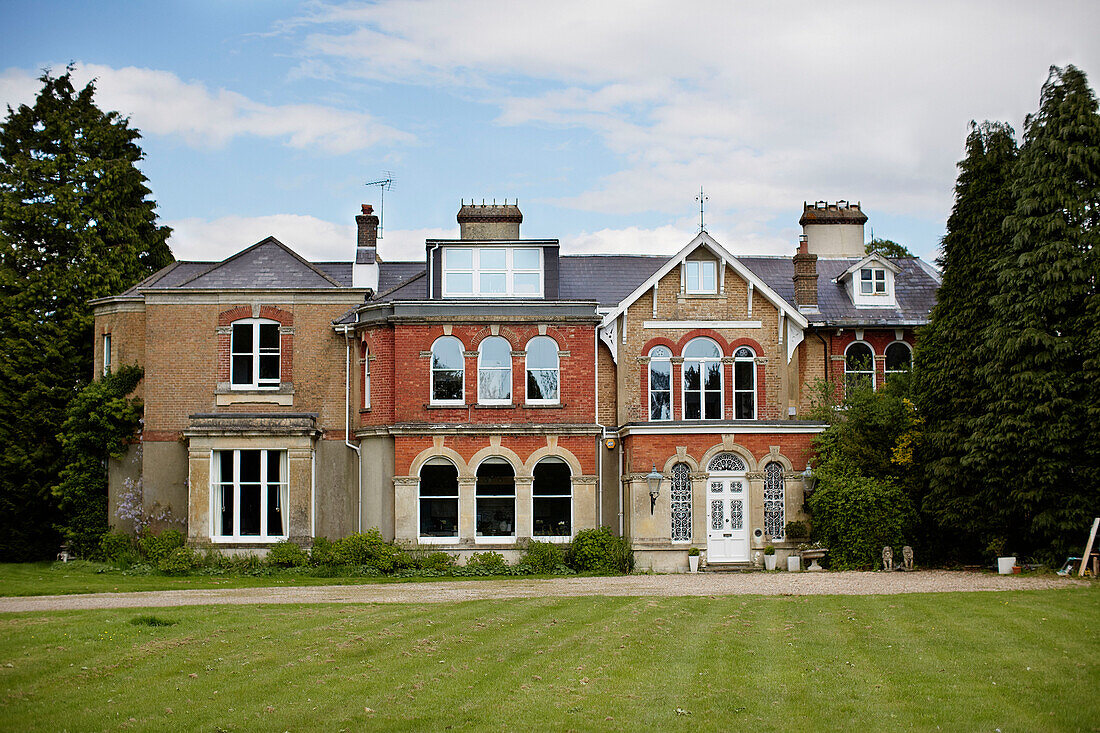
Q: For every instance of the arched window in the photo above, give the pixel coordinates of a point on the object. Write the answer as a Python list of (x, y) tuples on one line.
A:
[(899, 358), (254, 348), (680, 498), (366, 378), (495, 499), (439, 499), (702, 380), (448, 371), (494, 371), (552, 499), (543, 377), (859, 367), (660, 383), (726, 462), (744, 384), (774, 501)]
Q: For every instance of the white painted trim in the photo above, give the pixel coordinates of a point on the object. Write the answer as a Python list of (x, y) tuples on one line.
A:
[(704, 239), (461, 402), (701, 324), (709, 427), (702, 381), (873, 257)]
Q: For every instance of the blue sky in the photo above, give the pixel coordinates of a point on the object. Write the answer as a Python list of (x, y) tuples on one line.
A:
[(604, 119)]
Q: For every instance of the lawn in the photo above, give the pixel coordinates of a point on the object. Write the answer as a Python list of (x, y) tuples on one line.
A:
[(43, 578), (1022, 660)]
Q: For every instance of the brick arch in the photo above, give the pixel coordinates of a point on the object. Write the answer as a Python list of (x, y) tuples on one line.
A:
[(505, 333), (659, 341), (236, 313), (701, 332), (557, 338), (745, 341), (275, 313), (429, 453), (547, 452)]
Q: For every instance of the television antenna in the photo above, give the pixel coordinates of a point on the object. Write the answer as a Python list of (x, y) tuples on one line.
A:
[(384, 184)]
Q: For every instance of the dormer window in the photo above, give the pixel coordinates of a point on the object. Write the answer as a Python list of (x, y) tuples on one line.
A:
[(872, 281), (700, 277), (487, 272)]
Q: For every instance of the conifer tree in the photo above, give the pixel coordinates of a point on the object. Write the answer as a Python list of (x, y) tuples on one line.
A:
[(76, 224), (1035, 439), (946, 379)]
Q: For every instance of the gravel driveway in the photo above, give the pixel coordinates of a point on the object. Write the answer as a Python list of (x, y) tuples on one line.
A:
[(703, 584)]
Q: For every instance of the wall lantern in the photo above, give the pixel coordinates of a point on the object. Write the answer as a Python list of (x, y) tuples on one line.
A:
[(809, 481), (654, 480)]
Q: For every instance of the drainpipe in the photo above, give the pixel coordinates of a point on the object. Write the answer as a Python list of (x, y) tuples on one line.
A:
[(599, 443), (347, 423)]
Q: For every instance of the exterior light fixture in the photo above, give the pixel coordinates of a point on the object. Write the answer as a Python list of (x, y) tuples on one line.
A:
[(809, 480), (654, 480)]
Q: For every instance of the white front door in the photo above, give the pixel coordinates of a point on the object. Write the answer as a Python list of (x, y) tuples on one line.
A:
[(727, 528)]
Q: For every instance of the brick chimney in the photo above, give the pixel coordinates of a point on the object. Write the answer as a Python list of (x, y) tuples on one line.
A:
[(805, 277), (364, 271), (489, 221)]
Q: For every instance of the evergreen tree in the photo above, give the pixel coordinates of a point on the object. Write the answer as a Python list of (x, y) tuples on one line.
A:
[(946, 379), (75, 224), (887, 248), (1035, 439)]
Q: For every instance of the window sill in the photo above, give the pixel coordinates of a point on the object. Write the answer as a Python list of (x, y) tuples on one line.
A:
[(479, 406), (437, 540), (537, 406), (250, 540), (279, 396), (711, 296), (510, 540), (437, 406), (364, 410)]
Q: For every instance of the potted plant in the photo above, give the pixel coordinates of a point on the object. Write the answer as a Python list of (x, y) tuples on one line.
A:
[(769, 556), (693, 559), (813, 551)]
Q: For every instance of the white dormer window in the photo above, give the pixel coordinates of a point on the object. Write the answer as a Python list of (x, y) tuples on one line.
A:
[(872, 281), (488, 272), (700, 277)]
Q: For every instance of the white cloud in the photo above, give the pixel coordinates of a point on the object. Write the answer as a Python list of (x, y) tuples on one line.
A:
[(766, 104), (315, 239), (160, 103)]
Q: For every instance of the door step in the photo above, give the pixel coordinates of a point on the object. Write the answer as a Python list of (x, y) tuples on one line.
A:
[(731, 567)]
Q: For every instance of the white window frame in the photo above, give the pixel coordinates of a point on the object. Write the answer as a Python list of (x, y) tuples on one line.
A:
[(480, 353), (702, 381), (215, 496), (106, 354), (461, 401), (874, 371), (256, 353), (751, 359), (876, 281), (695, 269), (510, 271), (433, 539), (366, 378), (886, 352), (649, 385), (497, 539), (572, 518), (527, 372)]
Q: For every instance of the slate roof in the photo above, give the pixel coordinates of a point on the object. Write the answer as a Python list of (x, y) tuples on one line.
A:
[(915, 288)]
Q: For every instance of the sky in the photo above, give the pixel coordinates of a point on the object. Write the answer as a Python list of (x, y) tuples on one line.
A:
[(604, 119)]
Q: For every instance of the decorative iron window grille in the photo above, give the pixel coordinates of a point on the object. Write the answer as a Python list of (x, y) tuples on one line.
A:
[(717, 514), (726, 462), (680, 497), (737, 517), (773, 501)]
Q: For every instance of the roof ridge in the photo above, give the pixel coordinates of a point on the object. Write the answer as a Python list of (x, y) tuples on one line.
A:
[(263, 241)]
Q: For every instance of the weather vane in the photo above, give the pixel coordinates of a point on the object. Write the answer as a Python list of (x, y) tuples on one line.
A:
[(384, 184), (701, 198)]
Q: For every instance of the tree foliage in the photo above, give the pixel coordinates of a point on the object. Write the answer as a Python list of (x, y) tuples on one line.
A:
[(887, 248), (76, 224), (948, 385), (102, 420)]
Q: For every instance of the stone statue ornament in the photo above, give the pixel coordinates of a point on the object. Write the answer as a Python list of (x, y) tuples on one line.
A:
[(907, 557), (887, 558)]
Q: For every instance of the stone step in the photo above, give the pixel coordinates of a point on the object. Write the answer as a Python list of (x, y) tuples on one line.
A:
[(731, 567)]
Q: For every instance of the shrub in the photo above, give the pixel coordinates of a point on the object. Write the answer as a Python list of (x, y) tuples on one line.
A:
[(368, 549), (286, 555), (155, 548), (117, 547), (598, 551), (321, 553), (439, 562), (796, 531), (180, 560), (693, 552), (542, 557), (769, 549), (492, 563), (856, 516)]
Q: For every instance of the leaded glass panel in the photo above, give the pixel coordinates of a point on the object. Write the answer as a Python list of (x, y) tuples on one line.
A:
[(773, 501), (680, 497)]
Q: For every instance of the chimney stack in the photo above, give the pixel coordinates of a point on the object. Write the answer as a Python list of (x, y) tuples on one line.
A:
[(835, 230), (805, 277), (364, 271), (489, 221)]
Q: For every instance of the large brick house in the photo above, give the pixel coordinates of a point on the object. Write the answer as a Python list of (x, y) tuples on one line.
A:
[(497, 390)]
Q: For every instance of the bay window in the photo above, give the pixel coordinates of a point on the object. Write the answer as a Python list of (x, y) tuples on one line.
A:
[(250, 495)]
